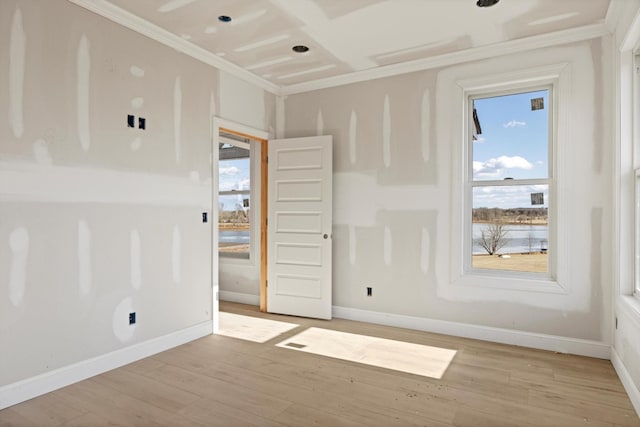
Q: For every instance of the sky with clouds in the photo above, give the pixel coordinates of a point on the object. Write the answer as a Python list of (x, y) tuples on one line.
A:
[(513, 144), (234, 175)]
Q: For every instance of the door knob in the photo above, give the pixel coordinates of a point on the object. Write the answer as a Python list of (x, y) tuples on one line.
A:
[(325, 236)]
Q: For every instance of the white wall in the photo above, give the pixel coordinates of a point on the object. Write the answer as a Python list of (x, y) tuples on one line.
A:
[(394, 196), (97, 219)]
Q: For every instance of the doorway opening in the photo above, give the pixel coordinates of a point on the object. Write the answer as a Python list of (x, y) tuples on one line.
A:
[(239, 207)]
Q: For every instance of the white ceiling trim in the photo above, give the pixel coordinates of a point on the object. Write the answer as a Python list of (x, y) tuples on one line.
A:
[(586, 32), (135, 23), (614, 13)]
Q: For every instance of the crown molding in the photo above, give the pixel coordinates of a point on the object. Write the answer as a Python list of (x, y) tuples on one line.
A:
[(146, 28), (586, 32), (614, 12)]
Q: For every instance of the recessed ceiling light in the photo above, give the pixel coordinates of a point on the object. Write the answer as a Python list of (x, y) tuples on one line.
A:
[(224, 18), (486, 3), (300, 49)]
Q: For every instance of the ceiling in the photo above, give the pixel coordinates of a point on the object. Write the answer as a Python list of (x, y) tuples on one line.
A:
[(351, 37)]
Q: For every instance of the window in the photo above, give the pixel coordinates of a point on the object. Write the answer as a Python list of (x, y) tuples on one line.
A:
[(234, 197), (509, 182)]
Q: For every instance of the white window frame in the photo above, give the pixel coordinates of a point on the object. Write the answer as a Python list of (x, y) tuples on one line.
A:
[(557, 77), (252, 146), (636, 165), (470, 183)]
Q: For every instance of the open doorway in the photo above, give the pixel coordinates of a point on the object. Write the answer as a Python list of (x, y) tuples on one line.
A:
[(239, 213)]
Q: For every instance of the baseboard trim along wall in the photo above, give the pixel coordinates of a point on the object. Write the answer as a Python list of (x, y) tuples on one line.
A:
[(627, 381), (240, 298), (29, 388), (486, 333)]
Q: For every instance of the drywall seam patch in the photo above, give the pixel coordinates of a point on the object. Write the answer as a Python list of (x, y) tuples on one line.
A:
[(41, 152), (212, 105), (172, 5), (84, 258), (136, 259), (136, 71), (352, 244), (425, 125), (17, 53), (424, 258), (19, 246), (120, 321), (176, 255), (84, 81), (386, 132), (177, 117), (29, 182), (137, 102), (387, 245), (319, 124), (136, 143), (353, 136)]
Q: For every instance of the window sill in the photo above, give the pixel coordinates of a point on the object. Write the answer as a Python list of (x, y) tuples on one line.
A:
[(511, 282), (630, 306)]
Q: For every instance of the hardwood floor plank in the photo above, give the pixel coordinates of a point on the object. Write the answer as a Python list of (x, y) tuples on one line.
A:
[(588, 410), (299, 415), (147, 389), (91, 419), (48, 410), (113, 405)]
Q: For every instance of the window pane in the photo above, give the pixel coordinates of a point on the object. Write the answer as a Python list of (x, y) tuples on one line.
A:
[(510, 229), (235, 173), (234, 210), (235, 233), (511, 136)]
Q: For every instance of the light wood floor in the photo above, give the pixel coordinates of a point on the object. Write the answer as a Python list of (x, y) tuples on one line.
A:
[(222, 381)]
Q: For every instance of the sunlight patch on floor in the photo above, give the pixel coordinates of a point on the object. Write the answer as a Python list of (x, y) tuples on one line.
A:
[(251, 328), (397, 355)]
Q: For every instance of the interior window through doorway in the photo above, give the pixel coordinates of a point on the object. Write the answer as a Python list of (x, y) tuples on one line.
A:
[(234, 196)]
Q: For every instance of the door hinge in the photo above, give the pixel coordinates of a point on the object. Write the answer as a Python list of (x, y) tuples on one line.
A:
[(266, 283)]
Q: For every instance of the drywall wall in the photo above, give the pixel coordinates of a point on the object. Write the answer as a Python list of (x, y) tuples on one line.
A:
[(397, 153), (100, 219)]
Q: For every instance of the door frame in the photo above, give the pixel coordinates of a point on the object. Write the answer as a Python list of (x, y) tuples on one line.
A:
[(262, 136)]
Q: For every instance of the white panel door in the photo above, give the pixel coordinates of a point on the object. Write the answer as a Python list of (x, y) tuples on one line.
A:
[(299, 230)]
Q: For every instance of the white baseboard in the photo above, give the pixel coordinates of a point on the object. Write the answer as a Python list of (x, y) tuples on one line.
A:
[(486, 333), (240, 298), (29, 388), (627, 381)]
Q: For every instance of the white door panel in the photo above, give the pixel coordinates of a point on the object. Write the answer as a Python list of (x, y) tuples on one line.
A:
[(300, 222)]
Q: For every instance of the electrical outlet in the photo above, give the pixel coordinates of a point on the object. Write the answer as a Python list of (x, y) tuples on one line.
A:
[(369, 291), (132, 318)]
